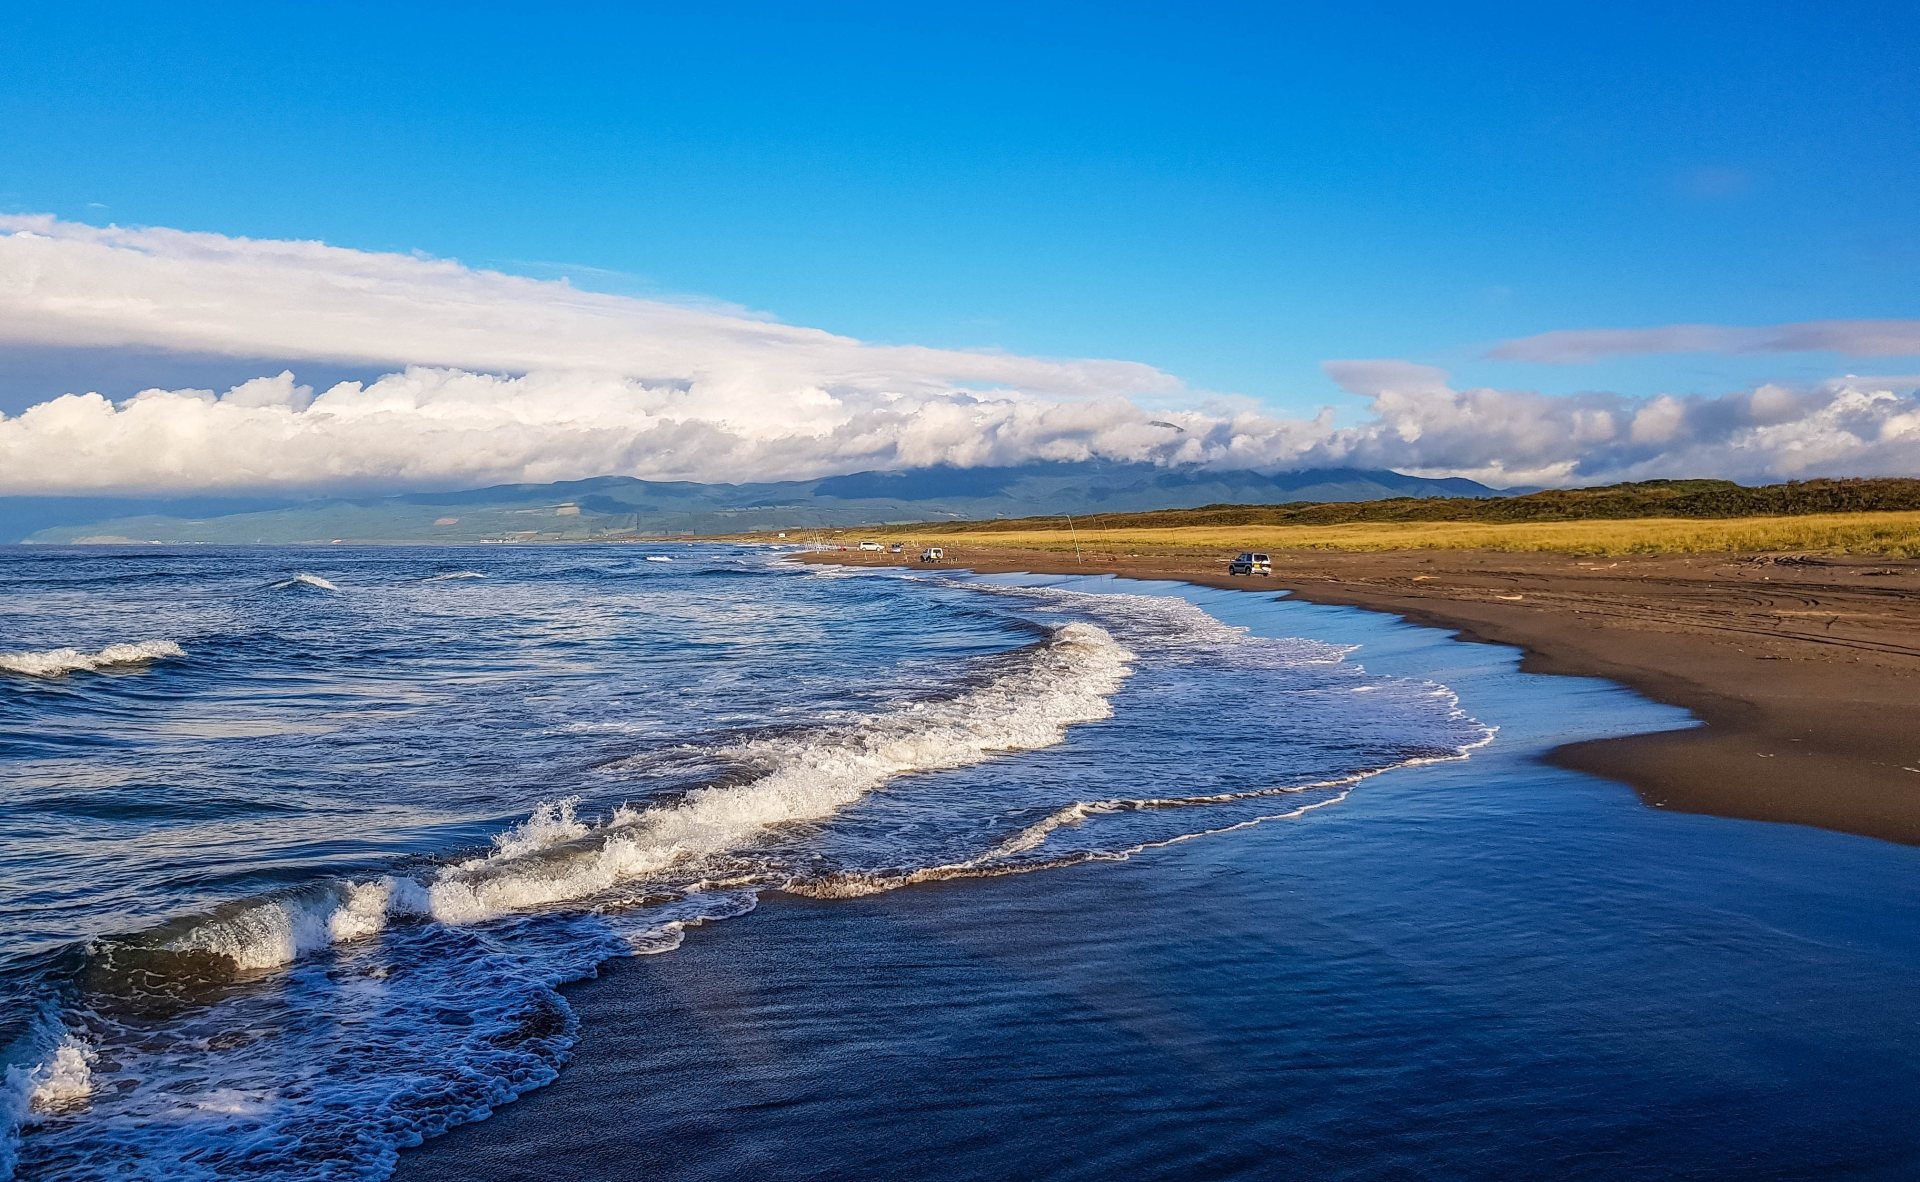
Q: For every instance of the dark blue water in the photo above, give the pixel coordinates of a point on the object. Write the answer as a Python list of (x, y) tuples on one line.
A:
[(296, 846)]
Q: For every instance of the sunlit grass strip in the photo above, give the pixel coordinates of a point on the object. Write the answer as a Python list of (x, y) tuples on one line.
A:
[(1894, 534)]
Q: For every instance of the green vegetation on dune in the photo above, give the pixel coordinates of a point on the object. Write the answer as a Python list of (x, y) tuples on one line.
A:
[(1643, 499)]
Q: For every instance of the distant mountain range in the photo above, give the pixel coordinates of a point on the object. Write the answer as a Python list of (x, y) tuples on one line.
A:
[(620, 506)]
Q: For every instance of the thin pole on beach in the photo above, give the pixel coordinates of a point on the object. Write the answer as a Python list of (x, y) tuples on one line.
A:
[(1076, 541)]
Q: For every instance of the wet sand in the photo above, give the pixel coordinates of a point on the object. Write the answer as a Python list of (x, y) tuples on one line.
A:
[(1805, 671)]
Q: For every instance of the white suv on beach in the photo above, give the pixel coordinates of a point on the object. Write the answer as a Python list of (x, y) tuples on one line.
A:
[(873, 546), (1249, 563)]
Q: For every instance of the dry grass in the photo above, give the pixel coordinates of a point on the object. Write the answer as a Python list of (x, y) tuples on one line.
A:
[(1894, 534)]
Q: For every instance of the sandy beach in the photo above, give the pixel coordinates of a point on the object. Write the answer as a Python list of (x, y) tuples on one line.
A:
[(1804, 670)]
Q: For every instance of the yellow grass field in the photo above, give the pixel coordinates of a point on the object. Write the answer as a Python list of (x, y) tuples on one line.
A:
[(1894, 534)]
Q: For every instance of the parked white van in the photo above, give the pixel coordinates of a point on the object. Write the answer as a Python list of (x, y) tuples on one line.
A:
[(932, 554), (1250, 563), (873, 546)]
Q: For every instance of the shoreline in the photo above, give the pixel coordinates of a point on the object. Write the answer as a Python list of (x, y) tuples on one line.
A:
[(1804, 672)]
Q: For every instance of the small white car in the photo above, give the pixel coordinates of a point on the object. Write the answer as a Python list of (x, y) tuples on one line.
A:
[(932, 554), (1249, 563), (875, 547), (896, 548)]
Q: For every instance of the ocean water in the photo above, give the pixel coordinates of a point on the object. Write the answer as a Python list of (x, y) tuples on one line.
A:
[(298, 846)]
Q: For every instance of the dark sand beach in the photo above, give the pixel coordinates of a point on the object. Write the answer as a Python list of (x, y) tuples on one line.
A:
[(1489, 968), (1805, 671)]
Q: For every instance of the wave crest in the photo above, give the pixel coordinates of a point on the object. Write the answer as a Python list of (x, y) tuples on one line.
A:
[(303, 579), (55, 662), (56, 1077), (809, 777)]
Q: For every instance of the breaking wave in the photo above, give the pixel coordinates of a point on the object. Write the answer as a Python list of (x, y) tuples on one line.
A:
[(55, 1076), (54, 662), (1025, 703), (302, 580), (807, 777), (441, 578)]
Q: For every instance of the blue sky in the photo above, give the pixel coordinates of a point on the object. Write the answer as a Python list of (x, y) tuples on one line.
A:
[(1231, 193)]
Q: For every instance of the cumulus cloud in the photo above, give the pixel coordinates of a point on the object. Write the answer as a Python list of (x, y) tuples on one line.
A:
[(496, 378), (438, 427), (1420, 424), (1851, 338)]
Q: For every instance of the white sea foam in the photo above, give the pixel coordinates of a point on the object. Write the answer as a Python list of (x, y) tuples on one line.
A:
[(810, 777), (551, 823), (54, 662), (1171, 623), (64, 1079), (658, 558), (269, 932), (859, 884), (1005, 857), (303, 579), (664, 928), (57, 1076), (553, 857), (452, 574)]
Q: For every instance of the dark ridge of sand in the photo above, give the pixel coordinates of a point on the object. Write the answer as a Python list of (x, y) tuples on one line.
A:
[(1806, 671)]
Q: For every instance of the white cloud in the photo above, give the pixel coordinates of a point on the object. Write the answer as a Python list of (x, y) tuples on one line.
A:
[(1845, 427), (497, 378), (436, 427), (75, 285), (1850, 338)]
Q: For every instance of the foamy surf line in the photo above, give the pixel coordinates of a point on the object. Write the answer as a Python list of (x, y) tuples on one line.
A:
[(54, 662), (1167, 622), (53, 1073), (999, 861), (1028, 701)]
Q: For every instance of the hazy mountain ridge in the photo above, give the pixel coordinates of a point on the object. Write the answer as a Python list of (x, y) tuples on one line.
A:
[(614, 506)]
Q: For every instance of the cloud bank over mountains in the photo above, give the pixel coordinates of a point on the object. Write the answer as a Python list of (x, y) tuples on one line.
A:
[(495, 378)]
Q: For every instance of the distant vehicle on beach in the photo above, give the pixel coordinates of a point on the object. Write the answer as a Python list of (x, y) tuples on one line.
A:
[(932, 554), (1249, 563), (896, 548), (875, 547)]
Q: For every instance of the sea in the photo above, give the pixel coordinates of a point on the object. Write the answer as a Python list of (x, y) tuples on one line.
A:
[(308, 854)]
